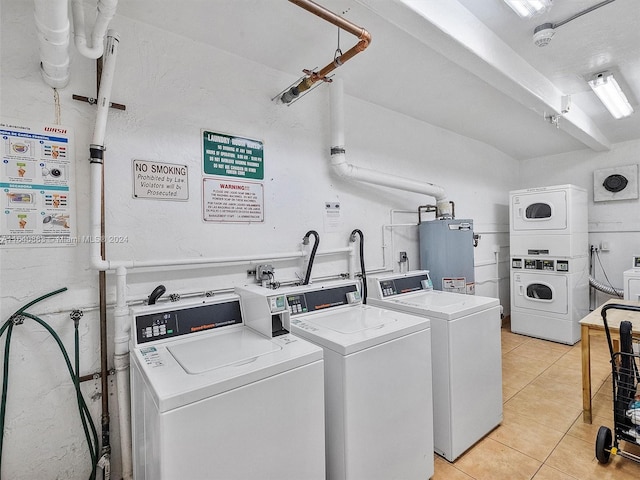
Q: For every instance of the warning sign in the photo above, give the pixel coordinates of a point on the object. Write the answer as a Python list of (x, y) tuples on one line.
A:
[(161, 181), (231, 201)]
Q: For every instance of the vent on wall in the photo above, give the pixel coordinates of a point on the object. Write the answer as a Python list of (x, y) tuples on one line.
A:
[(617, 183)]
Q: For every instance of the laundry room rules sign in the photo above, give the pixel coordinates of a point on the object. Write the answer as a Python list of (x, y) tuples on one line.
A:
[(232, 156)]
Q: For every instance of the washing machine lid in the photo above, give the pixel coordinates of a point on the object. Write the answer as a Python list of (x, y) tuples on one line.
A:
[(214, 352), (438, 304), (354, 328), (189, 370)]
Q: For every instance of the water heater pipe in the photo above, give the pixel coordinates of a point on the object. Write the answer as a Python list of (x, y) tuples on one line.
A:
[(352, 172), (364, 38), (106, 11), (52, 23)]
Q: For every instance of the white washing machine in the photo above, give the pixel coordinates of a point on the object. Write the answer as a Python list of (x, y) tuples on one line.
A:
[(466, 355), (379, 413), (549, 296), (632, 281), (549, 221), (213, 399)]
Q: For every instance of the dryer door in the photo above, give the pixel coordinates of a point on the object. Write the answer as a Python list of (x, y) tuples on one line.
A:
[(539, 211), (543, 292)]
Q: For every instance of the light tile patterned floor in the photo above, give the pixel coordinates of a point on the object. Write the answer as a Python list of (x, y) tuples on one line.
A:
[(542, 436)]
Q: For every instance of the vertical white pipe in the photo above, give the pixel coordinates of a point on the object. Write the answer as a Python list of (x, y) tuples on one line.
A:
[(337, 113), (106, 84), (97, 148), (121, 364), (52, 23)]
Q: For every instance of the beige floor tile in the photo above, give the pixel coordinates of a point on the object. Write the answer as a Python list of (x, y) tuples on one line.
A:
[(548, 473), (507, 393), (526, 435), (514, 361), (491, 460), (563, 375), (576, 457), (544, 410), (550, 346), (511, 340), (447, 471), (516, 379), (588, 431), (602, 405), (567, 393)]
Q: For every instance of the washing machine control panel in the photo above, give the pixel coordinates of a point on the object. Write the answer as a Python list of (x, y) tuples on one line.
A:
[(398, 286), (322, 299), (547, 265), (172, 323)]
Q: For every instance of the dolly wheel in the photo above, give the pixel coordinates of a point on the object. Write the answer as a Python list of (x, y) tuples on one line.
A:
[(603, 444)]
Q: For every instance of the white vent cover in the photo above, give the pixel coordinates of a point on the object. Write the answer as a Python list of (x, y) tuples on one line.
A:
[(617, 183)]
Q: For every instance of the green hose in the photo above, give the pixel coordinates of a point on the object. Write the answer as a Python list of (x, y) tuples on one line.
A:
[(75, 377)]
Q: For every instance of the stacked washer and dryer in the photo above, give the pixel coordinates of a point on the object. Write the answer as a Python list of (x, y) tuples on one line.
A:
[(549, 262)]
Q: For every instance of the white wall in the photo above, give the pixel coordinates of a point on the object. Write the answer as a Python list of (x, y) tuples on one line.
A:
[(614, 222), (173, 88)]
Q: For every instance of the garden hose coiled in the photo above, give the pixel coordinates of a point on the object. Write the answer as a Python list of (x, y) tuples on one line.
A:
[(18, 318)]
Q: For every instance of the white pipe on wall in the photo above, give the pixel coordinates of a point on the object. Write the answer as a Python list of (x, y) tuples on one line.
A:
[(52, 23), (106, 11), (349, 171)]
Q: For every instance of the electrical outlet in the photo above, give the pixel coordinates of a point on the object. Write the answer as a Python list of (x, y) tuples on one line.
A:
[(264, 272), (403, 257), (604, 246)]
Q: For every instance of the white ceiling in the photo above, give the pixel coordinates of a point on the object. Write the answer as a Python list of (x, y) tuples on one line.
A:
[(469, 66)]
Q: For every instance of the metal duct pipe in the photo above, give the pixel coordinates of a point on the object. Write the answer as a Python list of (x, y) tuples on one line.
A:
[(106, 11), (609, 290), (52, 23), (344, 169), (364, 38)]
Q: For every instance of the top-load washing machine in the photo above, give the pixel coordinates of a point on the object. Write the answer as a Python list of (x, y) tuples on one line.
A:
[(379, 417), (549, 221), (214, 399), (632, 280), (466, 355)]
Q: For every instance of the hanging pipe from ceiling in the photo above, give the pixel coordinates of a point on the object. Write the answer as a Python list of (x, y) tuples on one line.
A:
[(52, 24), (53, 27), (349, 171), (363, 35), (106, 11)]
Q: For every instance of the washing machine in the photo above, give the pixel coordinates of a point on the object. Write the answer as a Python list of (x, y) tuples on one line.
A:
[(549, 221), (632, 281), (466, 355), (549, 296), (214, 399), (378, 399)]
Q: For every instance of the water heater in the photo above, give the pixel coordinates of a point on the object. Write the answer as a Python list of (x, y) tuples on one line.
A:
[(446, 250)]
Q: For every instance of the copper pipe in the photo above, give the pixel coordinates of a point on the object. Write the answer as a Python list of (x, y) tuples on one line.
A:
[(364, 38)]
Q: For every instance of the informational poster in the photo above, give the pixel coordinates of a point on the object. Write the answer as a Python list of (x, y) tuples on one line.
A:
[(232, 156), (160, 181), (38, 206), (332, 217), (229, 201)]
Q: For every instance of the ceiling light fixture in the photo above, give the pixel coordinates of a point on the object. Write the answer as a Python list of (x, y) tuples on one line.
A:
[(611, 95), (529, 8)]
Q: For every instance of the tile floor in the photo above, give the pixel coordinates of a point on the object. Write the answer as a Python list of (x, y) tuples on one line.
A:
[(542, 435)]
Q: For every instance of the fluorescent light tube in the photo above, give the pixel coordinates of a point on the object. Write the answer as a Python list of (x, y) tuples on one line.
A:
[(529, 8), (611, 95)]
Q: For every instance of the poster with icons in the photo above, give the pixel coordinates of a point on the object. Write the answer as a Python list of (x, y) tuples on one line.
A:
[(35, 185)]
